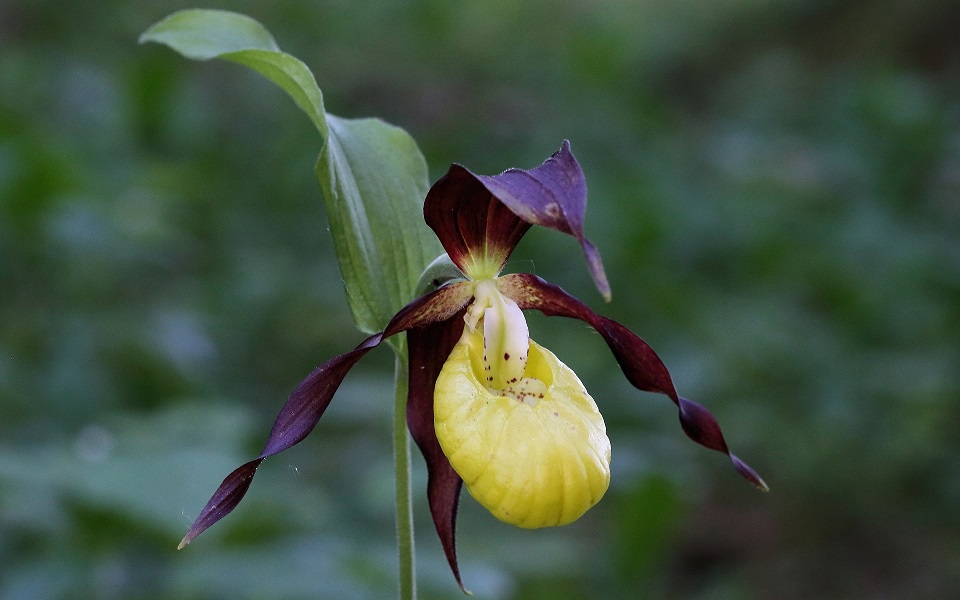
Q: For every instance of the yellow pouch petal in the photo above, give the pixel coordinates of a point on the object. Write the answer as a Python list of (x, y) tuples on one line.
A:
[(531, 461)]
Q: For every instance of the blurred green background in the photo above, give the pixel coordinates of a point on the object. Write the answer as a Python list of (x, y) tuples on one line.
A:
[(775, 189)]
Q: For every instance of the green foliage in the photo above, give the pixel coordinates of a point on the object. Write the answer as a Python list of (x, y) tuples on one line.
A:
[(773, 190)]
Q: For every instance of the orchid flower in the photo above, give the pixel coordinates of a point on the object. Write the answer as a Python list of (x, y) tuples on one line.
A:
[(488, 406)]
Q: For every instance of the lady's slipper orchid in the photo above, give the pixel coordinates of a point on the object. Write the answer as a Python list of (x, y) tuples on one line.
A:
[(488, 406)]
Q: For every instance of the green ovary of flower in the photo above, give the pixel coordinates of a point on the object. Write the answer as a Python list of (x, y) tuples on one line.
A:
[(535, 454)]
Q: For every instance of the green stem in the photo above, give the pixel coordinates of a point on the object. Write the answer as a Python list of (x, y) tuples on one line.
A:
[(401, 457)]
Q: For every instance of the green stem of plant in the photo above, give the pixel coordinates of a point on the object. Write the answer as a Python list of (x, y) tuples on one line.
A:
[(401, 456)]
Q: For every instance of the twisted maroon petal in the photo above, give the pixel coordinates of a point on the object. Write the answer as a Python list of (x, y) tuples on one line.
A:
[(224, 500), (641, 365), (307, 403), (481, 218), (429, 348)]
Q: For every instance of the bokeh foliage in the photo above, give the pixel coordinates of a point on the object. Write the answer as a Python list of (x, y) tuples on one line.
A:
[(774, 186)]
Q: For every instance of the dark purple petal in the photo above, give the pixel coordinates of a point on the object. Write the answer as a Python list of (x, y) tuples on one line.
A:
[(470, 222), (553, 195), (429, 348), (306, 404), (224, 500), (481, 218), (296, 420), (641, 365)]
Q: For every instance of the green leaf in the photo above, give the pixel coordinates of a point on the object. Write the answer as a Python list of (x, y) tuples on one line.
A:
[(364, 160), (205, 34), (372, 174)]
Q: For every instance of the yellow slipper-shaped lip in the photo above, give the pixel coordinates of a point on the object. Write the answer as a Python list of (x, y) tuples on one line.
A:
[(536, 455)]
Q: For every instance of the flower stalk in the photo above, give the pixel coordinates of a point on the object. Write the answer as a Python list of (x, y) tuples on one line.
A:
[(403, 489)]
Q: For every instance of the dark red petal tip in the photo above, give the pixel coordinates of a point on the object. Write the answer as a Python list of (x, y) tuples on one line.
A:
[(749, 474), (641, 365), (701, 426), (224, 500)]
